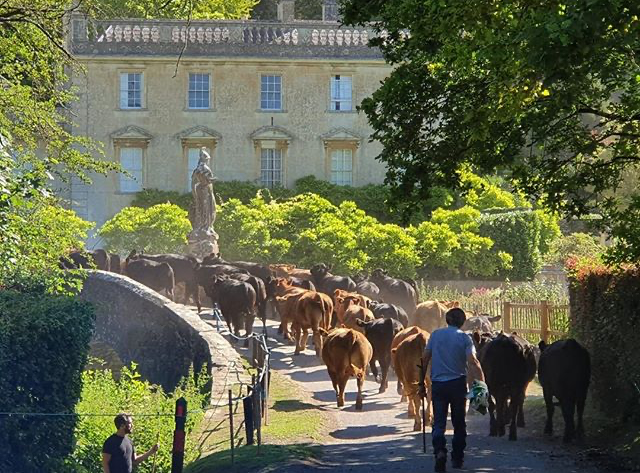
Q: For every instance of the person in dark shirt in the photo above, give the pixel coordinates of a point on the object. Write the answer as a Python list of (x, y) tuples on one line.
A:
[(118, 454)]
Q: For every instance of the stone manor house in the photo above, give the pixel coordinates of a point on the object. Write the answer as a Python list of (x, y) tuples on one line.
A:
[(273, 101)]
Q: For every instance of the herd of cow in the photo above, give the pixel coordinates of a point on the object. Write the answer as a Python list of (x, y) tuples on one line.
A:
[(361, 323)]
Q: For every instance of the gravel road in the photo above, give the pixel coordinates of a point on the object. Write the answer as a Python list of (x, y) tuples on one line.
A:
[(380, 438)]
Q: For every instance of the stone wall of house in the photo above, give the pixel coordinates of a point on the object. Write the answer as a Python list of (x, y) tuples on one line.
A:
[(163, 338)]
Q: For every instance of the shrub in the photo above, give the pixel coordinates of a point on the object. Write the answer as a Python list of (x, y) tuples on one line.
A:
[(576, 245), (33, 242), (605, 317), (162, 228), (44, 341), (517, 233), (481, 194), (149, 197), (102, 394)]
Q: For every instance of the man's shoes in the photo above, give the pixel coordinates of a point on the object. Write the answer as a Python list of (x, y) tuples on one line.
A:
[(441, 462), (457, 463)]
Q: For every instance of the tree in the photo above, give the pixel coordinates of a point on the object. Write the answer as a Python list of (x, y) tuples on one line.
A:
[(547, 90), (194, 9)]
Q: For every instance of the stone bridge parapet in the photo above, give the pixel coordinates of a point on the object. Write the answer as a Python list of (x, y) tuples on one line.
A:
[(163, 338)]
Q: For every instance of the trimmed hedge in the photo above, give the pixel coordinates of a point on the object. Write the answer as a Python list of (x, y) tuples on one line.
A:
[(605, 315), (517, 233), (44, 342)]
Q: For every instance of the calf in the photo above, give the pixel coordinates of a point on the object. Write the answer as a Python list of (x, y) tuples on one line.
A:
[(429, 316), (157, 276), (382, 310), (509, 366), (380, 333), (564, 372), (346, 353), (407, 366)]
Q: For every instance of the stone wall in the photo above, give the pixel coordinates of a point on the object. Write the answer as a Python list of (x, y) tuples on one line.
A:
[(162, 337)]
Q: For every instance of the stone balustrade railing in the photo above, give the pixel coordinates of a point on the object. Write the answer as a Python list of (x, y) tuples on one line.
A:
[(301, 38)]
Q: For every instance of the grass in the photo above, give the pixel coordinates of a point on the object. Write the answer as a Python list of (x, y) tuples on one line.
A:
[(610, 443), (295, 429)]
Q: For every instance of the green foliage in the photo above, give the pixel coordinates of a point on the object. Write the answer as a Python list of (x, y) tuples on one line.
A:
[(482, 194), (304, 10), (101, 393), (512, 85), (575, 245), (44, 341), (162, 228), (36, 235), (152, 9), (605, 317), (149, 197), (518, 234)]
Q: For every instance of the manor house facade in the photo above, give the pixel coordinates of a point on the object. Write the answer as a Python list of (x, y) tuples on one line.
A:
[(272, 101)]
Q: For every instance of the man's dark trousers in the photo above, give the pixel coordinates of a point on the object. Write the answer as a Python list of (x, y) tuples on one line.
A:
[(449, 393)]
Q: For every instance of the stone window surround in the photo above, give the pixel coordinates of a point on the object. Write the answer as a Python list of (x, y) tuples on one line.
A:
[(212, 89), (341, 138), (130, 136), (131, 70), (283, 101), (351, 73), (272, 137)]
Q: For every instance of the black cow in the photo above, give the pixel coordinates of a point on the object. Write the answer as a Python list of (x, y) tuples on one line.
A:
[(380, 333), (183, 271), (366, 287), (396, 291), (205, 272), (564, 371), (259, 270), (115, 264), (382, 310), (327, 283), (237, 300), (93, 259), (157, 276), (509, 365), (261, 294)]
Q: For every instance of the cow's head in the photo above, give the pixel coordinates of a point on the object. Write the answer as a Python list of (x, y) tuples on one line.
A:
[(319, 270), (378, 273)]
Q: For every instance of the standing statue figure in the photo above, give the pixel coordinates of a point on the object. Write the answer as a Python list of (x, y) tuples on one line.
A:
[(203, 239)]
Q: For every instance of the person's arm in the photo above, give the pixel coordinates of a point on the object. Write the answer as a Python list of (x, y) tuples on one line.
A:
[(475, 370), (106, 457), (137, 459)]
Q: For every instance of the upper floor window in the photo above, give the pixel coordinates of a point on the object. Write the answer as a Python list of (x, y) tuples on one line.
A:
[(342, 167), (131, 90), (199, 90), (340, 93), (131, 161), (271, 92), (270, 167)]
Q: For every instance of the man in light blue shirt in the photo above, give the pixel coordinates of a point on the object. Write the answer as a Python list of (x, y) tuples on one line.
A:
[(450, 350)]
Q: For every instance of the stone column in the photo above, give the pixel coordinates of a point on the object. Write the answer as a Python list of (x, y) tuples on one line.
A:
[(286, 10)]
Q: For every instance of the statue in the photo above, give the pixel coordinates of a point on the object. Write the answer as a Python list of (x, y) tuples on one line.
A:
[(203, 240)]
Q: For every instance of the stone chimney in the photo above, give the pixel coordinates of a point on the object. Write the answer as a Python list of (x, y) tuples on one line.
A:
[(286, 10), (330, 10)]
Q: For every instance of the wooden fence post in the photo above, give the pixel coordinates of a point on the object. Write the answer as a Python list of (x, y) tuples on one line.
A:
[(544, 320), (506, 322)]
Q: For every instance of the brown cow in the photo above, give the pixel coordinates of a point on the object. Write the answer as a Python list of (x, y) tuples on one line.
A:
[(355, 312), (406, 333), (343, 299), (347, 353), (309, 314), (429, 316), (407, 358), (290, 270), (285, 305)]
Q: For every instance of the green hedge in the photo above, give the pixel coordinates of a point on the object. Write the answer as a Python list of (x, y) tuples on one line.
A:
[(44, 341), (605, 315), (517, 233)]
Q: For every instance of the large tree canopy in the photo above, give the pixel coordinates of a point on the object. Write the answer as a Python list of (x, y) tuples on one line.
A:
[(547, 89), (195, 9)]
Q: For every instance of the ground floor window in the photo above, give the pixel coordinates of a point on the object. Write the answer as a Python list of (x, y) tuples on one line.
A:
[(342, 167), (131, 161), (271, 167)]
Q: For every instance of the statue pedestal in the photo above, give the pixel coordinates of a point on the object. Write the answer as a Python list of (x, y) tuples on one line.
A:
[(202, 248)]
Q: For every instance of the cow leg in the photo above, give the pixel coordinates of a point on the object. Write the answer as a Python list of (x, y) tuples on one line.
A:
[(580, 407), (548, 401), (374, 369), (249, 317), (304, 338), (411, 412), (493, 423), (342, 384), (384, 381), (334, 381), (417, 420), (520, 422), (360, 382), (516, 401), (568, 407), (400, 391), (297, 336)]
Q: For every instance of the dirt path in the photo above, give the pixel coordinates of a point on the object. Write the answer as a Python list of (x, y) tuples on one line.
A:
[(380, 439)]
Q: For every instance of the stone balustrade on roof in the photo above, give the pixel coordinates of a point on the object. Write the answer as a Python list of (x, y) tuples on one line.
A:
[(222, 38)]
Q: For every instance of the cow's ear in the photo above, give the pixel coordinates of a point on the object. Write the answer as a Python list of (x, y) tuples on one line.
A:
[(495, 319), (542, 345)]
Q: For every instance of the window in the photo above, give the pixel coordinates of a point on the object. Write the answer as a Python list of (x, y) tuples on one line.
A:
[(131, 90), (199, 90), (271, 93), (342, 167), (131, 160), (271, 167), (193, 156), (340, 93)]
